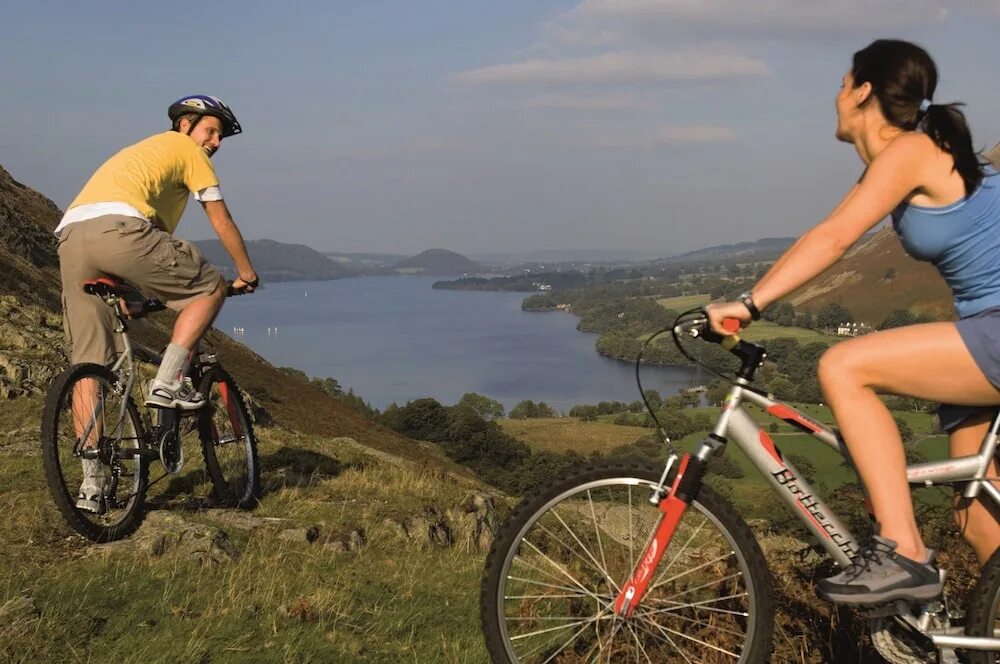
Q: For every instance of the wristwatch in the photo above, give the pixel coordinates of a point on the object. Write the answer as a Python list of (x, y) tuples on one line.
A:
[(747, 299)]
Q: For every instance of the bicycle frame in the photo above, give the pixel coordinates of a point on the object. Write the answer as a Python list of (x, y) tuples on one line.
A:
[(125, 359), (736, 425)]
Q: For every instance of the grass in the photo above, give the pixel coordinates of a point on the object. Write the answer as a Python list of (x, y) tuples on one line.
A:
[(565, 434), (684, 302), (763, 330), (281, 601)]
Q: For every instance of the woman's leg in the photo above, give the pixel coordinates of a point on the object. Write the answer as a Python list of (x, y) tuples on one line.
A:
[(975, 518), (925, 361)]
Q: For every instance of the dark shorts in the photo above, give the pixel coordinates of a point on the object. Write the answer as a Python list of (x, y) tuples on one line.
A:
[(981, 334)]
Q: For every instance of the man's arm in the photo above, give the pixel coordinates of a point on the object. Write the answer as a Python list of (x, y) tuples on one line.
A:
[(232, 240)]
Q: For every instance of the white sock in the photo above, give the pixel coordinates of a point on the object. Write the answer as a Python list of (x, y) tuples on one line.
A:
[(174, 364)]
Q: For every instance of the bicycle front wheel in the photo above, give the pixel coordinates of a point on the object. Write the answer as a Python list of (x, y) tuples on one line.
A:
[(561, 557), (87, 414), (228, 442), (983, 617)]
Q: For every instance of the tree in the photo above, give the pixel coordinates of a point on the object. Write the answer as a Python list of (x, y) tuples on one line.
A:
[(529, 409), (833, 314), (905, 431), (901, 318), (486, 408)]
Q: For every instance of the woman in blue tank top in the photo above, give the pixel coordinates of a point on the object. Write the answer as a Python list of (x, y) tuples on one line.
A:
[(922, 170)]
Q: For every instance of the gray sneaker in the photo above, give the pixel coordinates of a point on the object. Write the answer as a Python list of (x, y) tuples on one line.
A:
[(878, 575), (174, 395), (91, 496)]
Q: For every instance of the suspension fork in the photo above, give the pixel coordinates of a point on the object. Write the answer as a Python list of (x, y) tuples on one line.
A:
[(672, 507)]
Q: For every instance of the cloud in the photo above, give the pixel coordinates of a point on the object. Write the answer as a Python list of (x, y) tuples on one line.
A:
[(620, 67), (587, 102), (608, 22), (661, 137)]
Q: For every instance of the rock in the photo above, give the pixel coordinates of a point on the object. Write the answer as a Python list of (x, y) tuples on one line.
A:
[(352, 542), (304, 535), (474, 522), (239, 520), (19, 608), (165, 534)]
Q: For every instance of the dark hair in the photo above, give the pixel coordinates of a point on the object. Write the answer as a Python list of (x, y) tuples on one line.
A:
[(193, 118), (902, 76)]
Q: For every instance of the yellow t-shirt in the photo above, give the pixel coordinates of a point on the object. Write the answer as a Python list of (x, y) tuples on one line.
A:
[(155, 176)]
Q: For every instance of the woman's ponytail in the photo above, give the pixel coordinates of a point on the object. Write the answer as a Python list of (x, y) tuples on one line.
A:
[(945, 124)]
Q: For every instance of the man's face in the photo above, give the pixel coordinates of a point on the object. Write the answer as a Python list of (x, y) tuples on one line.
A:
[(207, 133)]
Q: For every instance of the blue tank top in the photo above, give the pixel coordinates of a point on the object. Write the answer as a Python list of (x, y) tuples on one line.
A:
[(962, 240)]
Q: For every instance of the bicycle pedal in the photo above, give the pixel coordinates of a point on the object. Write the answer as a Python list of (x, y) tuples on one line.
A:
[(896, 608)]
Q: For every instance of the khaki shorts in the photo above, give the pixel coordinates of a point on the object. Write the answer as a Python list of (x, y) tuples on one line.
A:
[(160, 265)]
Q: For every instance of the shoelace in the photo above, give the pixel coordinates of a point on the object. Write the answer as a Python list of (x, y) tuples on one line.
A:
[(870, 552)]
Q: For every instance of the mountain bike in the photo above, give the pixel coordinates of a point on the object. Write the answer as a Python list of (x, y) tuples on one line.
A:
[(90, 414), (623, 562)]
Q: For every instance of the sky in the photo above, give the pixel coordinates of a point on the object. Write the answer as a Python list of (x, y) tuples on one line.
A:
[(482, 125)]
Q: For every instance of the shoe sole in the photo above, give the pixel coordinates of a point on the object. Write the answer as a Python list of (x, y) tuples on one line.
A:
[(182, 405), (92, 506), (918, 594)]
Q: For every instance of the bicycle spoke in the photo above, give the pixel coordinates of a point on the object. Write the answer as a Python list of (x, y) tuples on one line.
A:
[(691, 571), (665, 638), (560, 568), (704, 606), (687, 591), (597, 532), (550, 575), (693, 621), (590, 560), (688, 637)]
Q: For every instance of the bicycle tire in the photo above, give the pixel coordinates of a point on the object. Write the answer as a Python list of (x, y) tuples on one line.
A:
[(724, 546), (228, 442), (63, 470), (983, 617)]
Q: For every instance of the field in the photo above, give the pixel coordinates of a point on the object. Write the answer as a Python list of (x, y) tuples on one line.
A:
[(565, 434), (684, 302)]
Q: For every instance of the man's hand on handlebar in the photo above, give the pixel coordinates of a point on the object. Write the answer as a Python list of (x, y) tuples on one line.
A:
[(720, 311), (244, 284)]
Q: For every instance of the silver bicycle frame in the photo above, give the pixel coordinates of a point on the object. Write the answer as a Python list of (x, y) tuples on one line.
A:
[(127, 360), (735, 424)]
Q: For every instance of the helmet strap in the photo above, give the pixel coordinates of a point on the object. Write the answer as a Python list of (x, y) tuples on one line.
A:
[(194, 123)]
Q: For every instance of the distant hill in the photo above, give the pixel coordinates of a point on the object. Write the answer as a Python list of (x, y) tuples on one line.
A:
[(438, 262), (768, 248), (277, 261), (568, 256), (875, 278), (365, 263)]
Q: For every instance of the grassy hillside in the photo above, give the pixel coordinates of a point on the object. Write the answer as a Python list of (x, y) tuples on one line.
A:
[(335, 565), (876, 278)]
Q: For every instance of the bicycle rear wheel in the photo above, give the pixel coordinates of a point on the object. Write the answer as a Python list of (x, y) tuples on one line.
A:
[(983, 617), (228, 442), (102, 415), (559, 560)]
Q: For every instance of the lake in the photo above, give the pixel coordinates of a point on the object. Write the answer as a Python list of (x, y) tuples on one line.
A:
[(395, 339)]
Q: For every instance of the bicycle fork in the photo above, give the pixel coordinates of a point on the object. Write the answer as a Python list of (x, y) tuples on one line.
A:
[(672, 507)]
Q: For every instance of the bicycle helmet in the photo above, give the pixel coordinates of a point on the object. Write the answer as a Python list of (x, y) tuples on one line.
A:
[(206, 105)]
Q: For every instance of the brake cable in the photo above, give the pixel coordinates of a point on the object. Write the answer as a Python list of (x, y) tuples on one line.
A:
[(638, 361)]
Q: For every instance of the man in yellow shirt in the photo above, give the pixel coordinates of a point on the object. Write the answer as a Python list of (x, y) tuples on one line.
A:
[(121, 224)]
